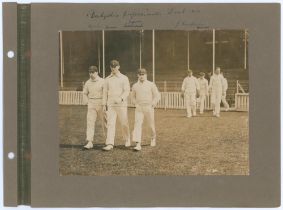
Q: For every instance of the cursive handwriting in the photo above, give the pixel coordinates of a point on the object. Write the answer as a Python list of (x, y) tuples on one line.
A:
[(133, 18), (133, 23), (102, 15), (173, 11), (182, 23), (137, 13), (140, 13)]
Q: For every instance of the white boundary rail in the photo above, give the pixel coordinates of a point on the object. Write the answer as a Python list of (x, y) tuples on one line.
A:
[(70, 97), (169, 100), (242, 101)]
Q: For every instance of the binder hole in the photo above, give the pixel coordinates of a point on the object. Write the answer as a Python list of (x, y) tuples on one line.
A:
[(11, 54), (11, 155)]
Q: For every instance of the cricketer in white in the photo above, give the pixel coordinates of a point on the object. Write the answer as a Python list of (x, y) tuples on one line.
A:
[(145, 96), (115, 93), (190, 87), (203, 92), (92, 96), (217, 89)]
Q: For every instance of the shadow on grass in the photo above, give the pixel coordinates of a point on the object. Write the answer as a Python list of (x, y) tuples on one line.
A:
[(97, 146), (176, 116), (81, 146)]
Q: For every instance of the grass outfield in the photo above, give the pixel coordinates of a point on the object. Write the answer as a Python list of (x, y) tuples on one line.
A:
[(203, 145)]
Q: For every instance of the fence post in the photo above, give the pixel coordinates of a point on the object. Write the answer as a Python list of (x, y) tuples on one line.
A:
[(165, 86), (236, 101), (237, 85), (165, 94), (165, 100)]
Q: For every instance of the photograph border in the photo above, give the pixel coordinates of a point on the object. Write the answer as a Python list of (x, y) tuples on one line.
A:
[(260, 189)]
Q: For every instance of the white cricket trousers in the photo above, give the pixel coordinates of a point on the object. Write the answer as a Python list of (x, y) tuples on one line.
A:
[(202, 102), (225, 103), (94, 111), (114, 112), (216, 100), (143, 112), (190, 99)]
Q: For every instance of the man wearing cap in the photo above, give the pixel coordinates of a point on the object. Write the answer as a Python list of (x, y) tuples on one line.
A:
[(190, 87), (115, 93), (216, 87), (145, 96), (203, 91), (92, 96)]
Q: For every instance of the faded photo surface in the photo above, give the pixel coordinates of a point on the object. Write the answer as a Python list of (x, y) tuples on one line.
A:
[(154, 102)]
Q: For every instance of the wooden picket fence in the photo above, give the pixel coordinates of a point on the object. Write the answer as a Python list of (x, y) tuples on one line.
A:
[(70, 97), (242, 101), (169, 100)]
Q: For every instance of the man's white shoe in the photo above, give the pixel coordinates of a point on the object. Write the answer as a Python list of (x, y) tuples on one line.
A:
[(128, 143), (153, 142), (137, 147), (108, 147), (89, 145), (189, 116), (217, 115)]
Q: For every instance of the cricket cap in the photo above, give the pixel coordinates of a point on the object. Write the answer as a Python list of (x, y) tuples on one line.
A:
[(114, 63), (92, 69), (142, 71)]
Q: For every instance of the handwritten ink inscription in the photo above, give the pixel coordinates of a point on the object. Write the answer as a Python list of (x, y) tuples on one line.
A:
[(102, 15), (133, 23), (134, 18), (143, 13)]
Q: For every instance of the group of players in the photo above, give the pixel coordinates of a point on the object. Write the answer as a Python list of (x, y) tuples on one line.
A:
[(108, 97), (193, 87)]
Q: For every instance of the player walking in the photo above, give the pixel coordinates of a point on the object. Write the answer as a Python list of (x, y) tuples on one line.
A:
[(190, 87), (92, 96), (216, 87), (145, 97), (115, 93), (203, 92)]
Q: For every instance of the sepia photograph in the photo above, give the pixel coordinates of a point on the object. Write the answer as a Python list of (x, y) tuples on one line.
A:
[(153, 102), (141, 105)]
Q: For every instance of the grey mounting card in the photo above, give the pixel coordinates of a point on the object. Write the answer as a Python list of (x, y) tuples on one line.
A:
[(56, 181)]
